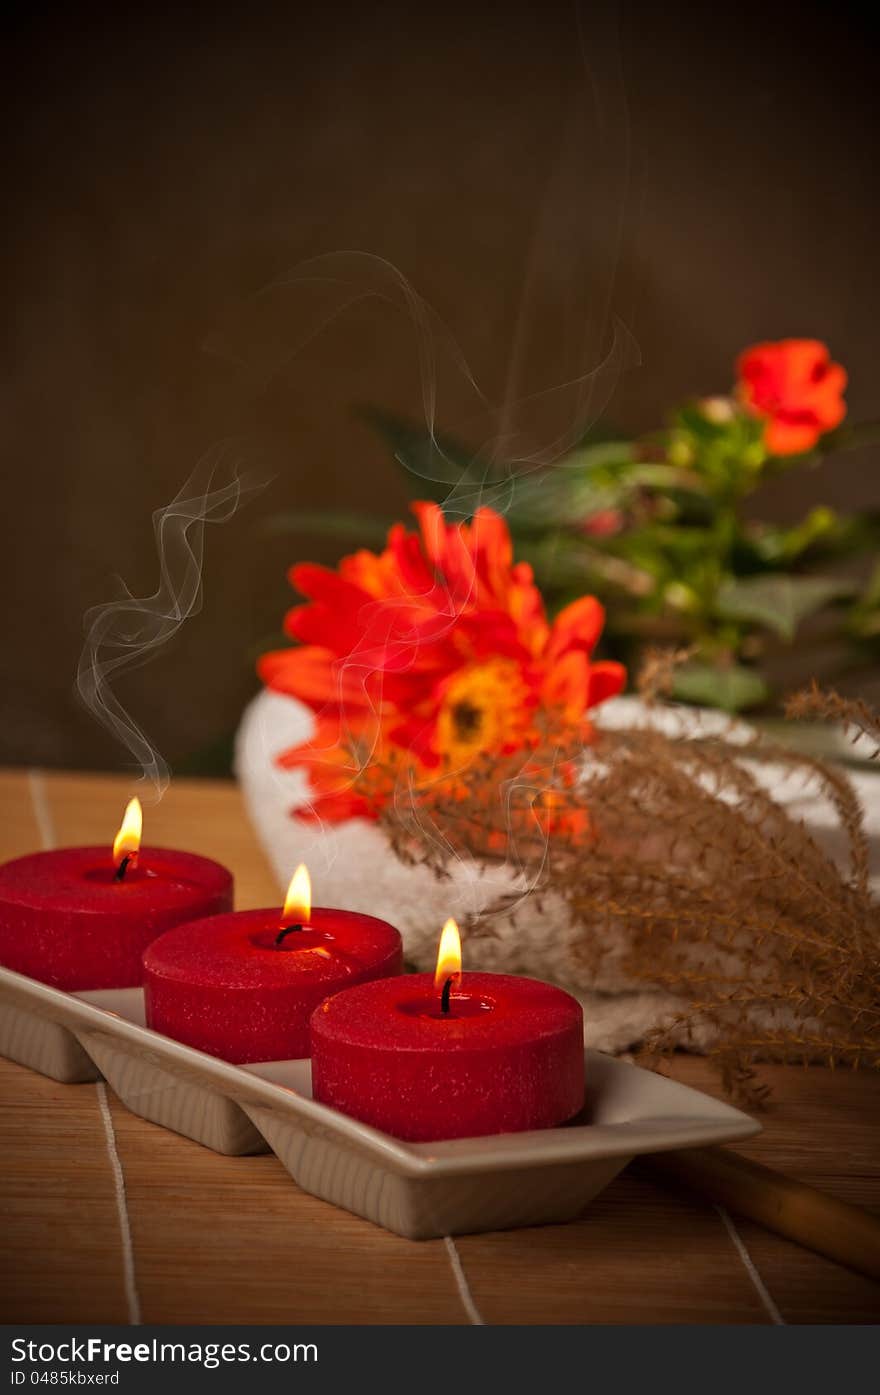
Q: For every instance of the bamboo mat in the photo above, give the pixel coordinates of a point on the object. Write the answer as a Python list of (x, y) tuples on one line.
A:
[(106, 1218)]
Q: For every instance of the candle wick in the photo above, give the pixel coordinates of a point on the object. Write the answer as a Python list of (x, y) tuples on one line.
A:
[(286, 930), (122, 868), (444, 996)]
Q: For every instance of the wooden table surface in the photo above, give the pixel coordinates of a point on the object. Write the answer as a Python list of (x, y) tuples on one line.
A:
[(106, 1218)]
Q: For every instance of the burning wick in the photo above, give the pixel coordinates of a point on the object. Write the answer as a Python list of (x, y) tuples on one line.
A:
[(448, 963), (297, 904), (444, 996), (127, 843)]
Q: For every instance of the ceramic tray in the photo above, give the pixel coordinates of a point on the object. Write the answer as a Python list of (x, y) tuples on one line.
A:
[(420, 1190)]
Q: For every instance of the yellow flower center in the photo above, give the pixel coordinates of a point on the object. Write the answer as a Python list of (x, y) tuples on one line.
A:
[(484, 709)]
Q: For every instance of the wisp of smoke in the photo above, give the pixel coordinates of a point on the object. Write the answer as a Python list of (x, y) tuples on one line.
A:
[(509, 442), (127, 632)]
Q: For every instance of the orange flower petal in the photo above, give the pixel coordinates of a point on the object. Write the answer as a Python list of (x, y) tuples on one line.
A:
[(439, 646), (567, 684), (412, 568), (322, 584), (607, 680), (315, 676), (432, 526), (784, 437), (578, 626), (335, 808), (373, 573), (493, 550)]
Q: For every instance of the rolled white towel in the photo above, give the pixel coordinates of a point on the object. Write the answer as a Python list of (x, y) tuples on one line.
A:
[(353, 867)]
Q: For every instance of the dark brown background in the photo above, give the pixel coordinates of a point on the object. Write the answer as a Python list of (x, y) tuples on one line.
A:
[(705, 174)]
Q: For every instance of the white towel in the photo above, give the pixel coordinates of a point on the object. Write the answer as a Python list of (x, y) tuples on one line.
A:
[(353, 867)]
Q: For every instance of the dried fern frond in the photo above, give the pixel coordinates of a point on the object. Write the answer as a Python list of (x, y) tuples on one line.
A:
[(674, 856), (657, 673), (828, 705)]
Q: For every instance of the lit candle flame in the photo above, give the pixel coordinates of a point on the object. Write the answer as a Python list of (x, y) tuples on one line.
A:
[(127, 842), (448, 955), (298, 901)]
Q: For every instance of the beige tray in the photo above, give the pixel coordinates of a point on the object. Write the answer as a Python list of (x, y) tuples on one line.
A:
[(420, 1190)]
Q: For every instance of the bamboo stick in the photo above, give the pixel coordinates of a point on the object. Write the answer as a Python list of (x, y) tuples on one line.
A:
[(843, 1232)]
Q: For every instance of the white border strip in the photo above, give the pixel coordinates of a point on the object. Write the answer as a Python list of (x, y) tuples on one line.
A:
[(751, 1269), (464, 1289), (132, 1298)]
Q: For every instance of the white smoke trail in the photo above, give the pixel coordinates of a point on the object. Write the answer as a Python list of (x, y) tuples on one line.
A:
[(512, 443), (125, 633)]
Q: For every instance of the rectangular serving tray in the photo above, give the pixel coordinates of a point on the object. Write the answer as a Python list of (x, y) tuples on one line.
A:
[(419, 1190)]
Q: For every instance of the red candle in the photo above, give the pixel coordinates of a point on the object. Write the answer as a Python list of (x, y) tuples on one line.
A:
[(80, 918), (425, 1057), (244, 986)]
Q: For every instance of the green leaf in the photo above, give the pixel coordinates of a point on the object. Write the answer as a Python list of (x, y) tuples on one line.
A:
[(691, 507), (857, 534), (818, 524), (551, 500), (778, 602), (444, 469), (822, 533), (596, 455), (864, 618), (871, 594), (558, 560), (700, 425), (731, 687)]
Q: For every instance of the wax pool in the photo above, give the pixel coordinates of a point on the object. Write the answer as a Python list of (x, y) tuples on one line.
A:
[(225, 986), (507, 1056), (66, 920)]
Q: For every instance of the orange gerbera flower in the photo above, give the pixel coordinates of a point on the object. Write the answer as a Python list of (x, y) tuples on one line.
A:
[(796, 387), (438, 647)]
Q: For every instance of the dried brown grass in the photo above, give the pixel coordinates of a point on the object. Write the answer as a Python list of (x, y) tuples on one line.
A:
[(674, 845)]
